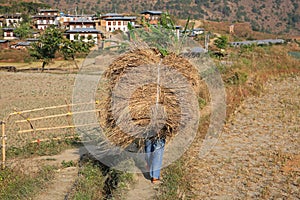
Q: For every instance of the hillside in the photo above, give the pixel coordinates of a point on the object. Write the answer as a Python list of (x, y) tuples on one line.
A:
[(270, 16), (276, 16)]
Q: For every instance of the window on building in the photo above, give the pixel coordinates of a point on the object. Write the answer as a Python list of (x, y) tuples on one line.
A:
[(114, 23), (109, 23), (119, 23)]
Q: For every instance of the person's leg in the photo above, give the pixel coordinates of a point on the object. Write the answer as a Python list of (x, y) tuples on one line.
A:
[(157, 158), (148, 152)]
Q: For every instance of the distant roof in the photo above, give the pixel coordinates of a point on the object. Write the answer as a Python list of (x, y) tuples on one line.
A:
[(152, 12), (83, 30), (82, 20), (32, 39), (120, 18), (8, 29), (23, 44), (13, 15), (198, 29), (71, 15), (4, 41), (48, 10), (111, 15)]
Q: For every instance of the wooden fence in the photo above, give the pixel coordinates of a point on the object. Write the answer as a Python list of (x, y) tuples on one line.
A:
[(29, 126)]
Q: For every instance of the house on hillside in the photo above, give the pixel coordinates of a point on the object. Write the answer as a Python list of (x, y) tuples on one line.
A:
[(119, 23), (198, 31), (8, 34), (102, 22), (64, 20), (13, 20), (152, 17), (193, 32), (81, 23), (85, 34), (45, 18), (111, 15)]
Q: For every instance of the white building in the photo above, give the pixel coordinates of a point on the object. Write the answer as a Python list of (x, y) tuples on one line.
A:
[(64, 20), (118, 23), (45, 18), (152, 16), (8, 34), (85, 34), (82, 23), (13, 20)]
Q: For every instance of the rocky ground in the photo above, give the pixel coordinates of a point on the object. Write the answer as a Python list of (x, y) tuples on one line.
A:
[(258, 154)]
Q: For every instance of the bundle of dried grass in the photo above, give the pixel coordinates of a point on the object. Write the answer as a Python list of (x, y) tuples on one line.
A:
[(136, 105)]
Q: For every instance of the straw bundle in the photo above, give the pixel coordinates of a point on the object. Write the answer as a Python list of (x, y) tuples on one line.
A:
[(139, 102)]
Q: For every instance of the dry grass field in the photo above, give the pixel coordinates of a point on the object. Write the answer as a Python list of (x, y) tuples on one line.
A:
[(244, 72)]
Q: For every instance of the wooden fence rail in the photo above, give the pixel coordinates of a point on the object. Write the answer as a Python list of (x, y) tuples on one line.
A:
[(4, 124)]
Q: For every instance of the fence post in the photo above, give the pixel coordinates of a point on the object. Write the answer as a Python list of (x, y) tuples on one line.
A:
[(3, 144)]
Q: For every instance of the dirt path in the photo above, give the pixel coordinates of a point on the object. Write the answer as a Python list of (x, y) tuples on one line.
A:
[(257, 156), (60, 186), (142, 189), (64, 177)]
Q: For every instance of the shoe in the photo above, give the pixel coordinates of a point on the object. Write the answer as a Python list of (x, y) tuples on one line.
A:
[(155, 181)]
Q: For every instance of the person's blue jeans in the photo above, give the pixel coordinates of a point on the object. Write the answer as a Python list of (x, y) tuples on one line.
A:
[(154, 156)]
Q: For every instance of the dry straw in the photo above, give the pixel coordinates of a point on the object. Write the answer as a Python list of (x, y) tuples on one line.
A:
[(140, 103)]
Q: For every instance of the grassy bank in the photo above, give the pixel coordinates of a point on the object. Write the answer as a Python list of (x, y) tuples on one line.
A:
[(244, 73), (97, 181), (17, 185)]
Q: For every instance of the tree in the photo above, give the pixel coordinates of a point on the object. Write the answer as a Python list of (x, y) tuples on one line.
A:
[(23, 31), (221, 42), (25, 18), (70, 48), (48, 44)]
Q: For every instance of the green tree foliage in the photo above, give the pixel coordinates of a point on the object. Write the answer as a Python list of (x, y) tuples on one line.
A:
[(22, 7), (226, 11), (163, 36), (221, 42), (23, 31), (48, 44), (69, 49)]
